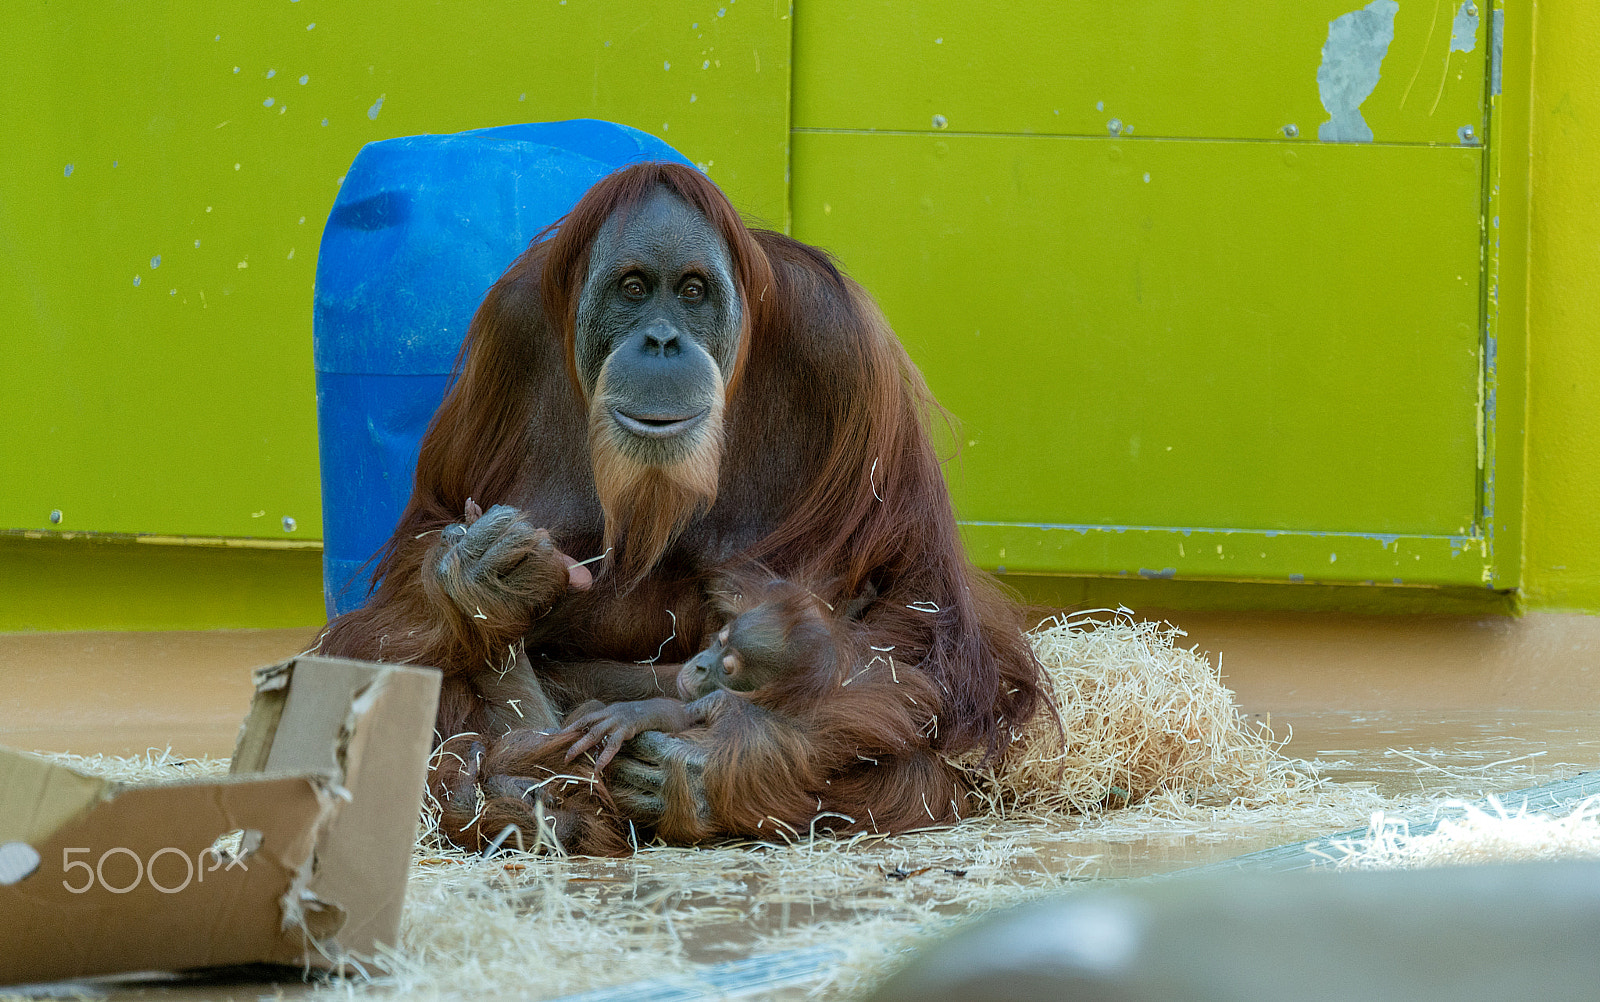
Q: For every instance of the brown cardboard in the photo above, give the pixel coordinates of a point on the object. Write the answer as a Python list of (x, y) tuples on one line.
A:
[(329, 771)]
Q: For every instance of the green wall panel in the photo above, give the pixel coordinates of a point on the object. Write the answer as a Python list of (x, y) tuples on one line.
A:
[(1188, 327), (1280, 340), (1201, 349), (91, 581), (1186, 68), (166, 173)]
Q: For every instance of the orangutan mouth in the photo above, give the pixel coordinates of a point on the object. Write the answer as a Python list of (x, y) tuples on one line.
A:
[(658, 425)]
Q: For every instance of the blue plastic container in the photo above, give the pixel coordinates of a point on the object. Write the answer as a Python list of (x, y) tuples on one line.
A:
[(421, 228)]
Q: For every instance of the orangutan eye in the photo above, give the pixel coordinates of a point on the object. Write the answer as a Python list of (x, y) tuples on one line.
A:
[(693, 290), (633, 287)]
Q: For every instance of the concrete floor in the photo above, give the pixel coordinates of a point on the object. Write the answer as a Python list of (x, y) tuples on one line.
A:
[(1282, 662), (122, 693)]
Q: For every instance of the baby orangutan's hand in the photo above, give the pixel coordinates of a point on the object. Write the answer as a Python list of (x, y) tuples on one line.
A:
[(610, 726)]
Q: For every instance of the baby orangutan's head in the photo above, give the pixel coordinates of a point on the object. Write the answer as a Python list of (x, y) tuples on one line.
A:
[(727, 664), (783, 633)]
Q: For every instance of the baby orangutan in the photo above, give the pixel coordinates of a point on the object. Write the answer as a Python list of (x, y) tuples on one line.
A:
[(781, 636)]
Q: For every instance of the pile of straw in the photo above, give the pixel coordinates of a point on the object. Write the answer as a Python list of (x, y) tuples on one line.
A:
[(1141, 718), (1476, 836), (154, 766)]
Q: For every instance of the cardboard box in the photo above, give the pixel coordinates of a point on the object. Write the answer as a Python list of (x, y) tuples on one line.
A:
[(299, 856)]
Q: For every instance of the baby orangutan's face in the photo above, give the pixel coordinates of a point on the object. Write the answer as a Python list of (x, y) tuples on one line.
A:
[(785, 633), (717, 667)]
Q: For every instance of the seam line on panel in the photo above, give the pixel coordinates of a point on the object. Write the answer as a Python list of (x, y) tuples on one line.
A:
[(816, 130)]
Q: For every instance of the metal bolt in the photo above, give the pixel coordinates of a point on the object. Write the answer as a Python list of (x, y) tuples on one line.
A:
[(55, 516), (1472, 10), (1291, 130), (1466, 134), (939, 122), (288, 524), (1114, 126)]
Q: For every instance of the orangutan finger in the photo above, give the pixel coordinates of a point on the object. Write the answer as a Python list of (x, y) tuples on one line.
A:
[(614, 744)]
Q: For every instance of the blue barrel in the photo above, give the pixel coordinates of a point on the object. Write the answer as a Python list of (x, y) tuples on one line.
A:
[(422, 227)]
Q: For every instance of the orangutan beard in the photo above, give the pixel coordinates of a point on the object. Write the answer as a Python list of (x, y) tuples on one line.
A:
[(650, 491)]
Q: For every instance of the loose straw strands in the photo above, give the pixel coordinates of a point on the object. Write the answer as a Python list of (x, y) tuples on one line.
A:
[(154, 766), (1477, 836), (1141, 718)]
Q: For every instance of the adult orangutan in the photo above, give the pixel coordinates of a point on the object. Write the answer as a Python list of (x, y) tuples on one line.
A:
[(658, 384)]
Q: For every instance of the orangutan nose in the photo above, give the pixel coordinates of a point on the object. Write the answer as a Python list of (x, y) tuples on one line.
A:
[(661, 339)]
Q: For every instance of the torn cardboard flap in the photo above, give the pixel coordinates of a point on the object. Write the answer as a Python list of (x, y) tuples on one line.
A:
[(300, 856)]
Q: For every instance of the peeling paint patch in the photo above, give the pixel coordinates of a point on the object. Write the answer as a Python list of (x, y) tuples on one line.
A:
[(1490, 383), (1165, 572), (1464, 32), (1482, 414), (1497, 30), (1352, 58)]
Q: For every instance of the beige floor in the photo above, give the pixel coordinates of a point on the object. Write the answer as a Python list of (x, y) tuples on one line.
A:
[(122, 693), (1286, 661)]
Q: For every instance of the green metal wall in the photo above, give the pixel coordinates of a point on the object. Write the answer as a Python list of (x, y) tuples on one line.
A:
[(163, 188), (1184, 338)]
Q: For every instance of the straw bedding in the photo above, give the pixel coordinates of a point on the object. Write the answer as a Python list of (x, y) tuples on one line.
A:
[(1140, 717), (1157, 770), (1477, 836)]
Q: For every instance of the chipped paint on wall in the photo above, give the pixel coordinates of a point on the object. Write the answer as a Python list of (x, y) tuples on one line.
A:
[(1464, 32), (1497, 31), (1352, 58), (1489, 390)]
